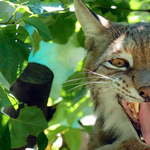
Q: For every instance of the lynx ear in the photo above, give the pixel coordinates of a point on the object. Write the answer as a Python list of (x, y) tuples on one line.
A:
[(91, 23)]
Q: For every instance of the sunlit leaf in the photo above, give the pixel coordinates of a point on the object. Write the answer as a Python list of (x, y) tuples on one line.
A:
[(74, 110), (134, 4), (52, 131), (4, 132), (31, 121), (36, 6), (4, 100)]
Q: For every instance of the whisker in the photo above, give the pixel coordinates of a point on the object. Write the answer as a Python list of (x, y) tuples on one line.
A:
[(82, 79), (74, 80), (74, 84), (107, 89), (75, 87), (108, 38), (98, 74), (85, 84)]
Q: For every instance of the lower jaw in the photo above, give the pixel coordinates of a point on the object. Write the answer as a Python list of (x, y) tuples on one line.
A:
[(139, 114)]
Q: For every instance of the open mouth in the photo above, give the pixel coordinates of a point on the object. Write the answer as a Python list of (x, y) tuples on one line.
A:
[(139, 113)]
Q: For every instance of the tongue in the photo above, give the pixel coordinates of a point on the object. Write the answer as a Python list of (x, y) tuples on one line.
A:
[(144, 119)]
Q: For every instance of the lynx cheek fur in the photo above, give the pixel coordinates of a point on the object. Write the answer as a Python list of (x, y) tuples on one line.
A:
[(118, 77)]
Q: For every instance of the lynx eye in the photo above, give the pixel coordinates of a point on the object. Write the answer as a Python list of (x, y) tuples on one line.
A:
[(118, 62)]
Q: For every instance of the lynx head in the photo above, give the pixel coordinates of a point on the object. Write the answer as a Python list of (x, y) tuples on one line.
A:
[(117, 68)]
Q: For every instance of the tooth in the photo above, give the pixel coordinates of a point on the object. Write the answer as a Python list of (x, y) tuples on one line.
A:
[(131, 106), (135, 116), (142, 138), (136, 105)]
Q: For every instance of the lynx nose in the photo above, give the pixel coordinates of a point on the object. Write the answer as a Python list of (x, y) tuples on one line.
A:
[(145, 93)]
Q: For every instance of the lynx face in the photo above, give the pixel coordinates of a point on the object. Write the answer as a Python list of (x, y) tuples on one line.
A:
[(118, 77)]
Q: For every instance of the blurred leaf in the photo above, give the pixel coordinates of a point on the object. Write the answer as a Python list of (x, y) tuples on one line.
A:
[(88, 129), (5, 142), (62, 26), (31, 121), (54, 130), (13, 1), (36, 41), (74, 110), (110, 16), (103, 7), (40, 26), (64, 2), (13, 51), (55, 148), (81, 38), (134, 4), (73, 138), (3, 16), (67, 2), (59, 115), (42, 141)]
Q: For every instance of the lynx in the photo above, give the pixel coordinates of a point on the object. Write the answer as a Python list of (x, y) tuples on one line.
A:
[(118, 78)]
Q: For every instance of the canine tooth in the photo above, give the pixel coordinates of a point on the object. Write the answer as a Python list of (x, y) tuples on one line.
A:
[(131, 106), (135, 116), (136, 105), (142, 138)]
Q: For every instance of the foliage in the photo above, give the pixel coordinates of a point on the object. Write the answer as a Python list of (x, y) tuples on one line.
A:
[(57, 24)]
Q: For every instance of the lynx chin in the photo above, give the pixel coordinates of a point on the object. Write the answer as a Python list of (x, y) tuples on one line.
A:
[(119, 58)]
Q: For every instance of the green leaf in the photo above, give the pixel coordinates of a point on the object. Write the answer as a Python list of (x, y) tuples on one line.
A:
[(31, 121), (75, 87), (36, 6), (81, 38), (4, 100), (88, 129), (54, 130), (73, 138), (134, 4), (14, 51), (110, 16), (40, 26), (36, 41), (67, 2), (3, 16), (72, 115), (5, 142), (62, 26), (42, 141), (57, 118)]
